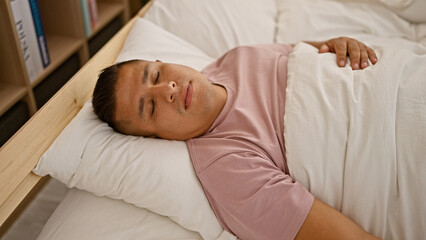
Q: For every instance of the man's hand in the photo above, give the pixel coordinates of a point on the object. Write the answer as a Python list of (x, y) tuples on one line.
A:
[(358, 52)]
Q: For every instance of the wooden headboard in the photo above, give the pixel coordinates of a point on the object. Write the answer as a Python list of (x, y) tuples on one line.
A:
[(21, 153)]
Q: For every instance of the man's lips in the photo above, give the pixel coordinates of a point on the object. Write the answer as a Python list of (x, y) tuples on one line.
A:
[(186, 97)]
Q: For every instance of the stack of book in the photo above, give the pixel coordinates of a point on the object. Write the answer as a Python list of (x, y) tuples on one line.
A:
[(26, 14), (90, 15)]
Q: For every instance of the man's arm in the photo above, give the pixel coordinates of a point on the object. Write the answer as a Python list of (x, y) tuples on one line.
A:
[(325, 222), (358, 52)]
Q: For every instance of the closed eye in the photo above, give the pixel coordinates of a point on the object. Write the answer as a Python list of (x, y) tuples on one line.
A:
[(158, 77), (153, 107)]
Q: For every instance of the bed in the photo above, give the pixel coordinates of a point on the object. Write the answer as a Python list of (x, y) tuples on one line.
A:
[(365, 131)]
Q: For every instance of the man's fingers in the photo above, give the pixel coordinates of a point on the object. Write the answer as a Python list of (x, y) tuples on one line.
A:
[(364, 55), (372, 55), (354, 54), (324, 48), (358, 52), (340, 48)]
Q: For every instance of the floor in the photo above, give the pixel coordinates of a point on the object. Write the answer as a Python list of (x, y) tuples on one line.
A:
[(31, 221)]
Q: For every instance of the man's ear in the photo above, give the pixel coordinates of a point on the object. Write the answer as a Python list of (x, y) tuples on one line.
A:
[(158, 60)]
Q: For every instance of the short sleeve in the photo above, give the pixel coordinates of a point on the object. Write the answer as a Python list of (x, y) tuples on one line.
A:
[(254, 199)]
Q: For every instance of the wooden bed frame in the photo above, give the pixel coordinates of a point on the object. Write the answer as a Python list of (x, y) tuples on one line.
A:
[(21, 153)]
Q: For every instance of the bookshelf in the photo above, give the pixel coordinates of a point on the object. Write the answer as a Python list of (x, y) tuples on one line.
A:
[(69, 49)]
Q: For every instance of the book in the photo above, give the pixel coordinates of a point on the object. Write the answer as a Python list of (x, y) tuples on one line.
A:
[(86, 17), (41, 38), (27, 37), (93, 13)]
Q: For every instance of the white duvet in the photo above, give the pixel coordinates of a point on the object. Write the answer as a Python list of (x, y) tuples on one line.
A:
[(357, 139)]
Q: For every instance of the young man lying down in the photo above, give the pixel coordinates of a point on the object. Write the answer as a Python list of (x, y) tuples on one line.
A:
[(231, 117)]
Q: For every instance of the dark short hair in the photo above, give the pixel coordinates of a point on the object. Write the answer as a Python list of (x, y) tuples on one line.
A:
[(104, 103)]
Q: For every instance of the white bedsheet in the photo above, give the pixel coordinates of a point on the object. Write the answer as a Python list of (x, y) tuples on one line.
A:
[(357, 139), (84, 216)]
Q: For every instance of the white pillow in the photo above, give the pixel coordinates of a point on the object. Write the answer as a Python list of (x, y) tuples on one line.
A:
[(313, 20), (150, 173), (388, 3), (413, 11), (410, 10), (216, 26), (151, 42)]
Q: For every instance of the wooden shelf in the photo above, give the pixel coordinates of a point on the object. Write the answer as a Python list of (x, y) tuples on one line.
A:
[(63, 26), (60, 49), (9, 95), (107, 11)]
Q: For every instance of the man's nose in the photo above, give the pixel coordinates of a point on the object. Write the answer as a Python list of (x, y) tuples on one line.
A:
[(167, 91)]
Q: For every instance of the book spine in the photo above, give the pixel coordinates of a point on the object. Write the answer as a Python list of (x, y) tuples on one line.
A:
[(27, 38), (41, 38), (93, 13), (86, 17)]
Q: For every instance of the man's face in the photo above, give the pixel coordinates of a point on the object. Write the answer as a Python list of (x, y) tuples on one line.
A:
[(165, 100)]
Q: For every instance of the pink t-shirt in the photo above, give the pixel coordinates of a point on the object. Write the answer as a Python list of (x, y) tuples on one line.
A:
[(240, 160)]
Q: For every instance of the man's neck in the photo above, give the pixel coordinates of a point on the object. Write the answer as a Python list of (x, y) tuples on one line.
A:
[(220, 96)]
